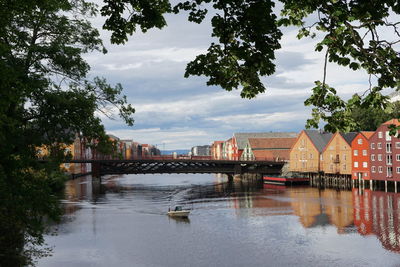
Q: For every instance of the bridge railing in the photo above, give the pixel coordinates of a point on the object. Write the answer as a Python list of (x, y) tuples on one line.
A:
[(172, 157)]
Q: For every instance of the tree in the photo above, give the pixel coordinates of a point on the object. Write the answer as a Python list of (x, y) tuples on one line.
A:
[(369, 119), (45, 99), (358, 34)]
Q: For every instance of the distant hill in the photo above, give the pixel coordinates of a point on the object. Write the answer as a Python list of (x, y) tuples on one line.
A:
[(178, 151)]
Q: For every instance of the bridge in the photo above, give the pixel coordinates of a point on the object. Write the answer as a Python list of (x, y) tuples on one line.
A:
[(152, 166)]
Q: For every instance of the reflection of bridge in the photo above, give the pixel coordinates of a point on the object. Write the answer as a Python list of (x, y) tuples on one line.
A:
[(143, 166)]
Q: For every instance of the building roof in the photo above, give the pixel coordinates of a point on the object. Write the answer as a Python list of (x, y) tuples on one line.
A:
[(319, 139), (367, 134), (349, 137), (271, 143), (113, 137), (242, 138), (271, 154), (392, 121)]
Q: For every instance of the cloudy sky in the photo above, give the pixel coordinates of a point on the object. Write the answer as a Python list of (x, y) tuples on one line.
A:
[(177, 113)]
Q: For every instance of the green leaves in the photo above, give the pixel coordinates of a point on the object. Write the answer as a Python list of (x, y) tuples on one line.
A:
[(45, 100), (248, 37), (146, 14), (358, 35)]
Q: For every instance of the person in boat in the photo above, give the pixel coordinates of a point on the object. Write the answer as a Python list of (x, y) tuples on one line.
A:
[(178, 208)]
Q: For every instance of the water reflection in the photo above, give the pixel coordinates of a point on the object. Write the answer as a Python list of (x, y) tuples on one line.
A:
[(377, 213), (293, 222)]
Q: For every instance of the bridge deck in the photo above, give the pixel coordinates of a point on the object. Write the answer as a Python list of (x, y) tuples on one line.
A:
[(142, 166)]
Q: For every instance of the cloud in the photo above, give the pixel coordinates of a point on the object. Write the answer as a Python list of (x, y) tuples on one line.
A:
[(181, 113)]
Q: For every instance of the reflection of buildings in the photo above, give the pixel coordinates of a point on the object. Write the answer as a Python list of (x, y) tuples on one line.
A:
[(314, 207), (321, 207), (377, 213)]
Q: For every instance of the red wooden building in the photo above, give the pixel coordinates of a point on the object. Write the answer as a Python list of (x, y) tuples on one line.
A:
[(361, 156)]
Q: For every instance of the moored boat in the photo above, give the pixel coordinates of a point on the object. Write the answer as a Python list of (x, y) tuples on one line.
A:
[(285, 180)]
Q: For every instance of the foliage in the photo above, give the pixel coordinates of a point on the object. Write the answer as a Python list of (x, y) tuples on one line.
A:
[(369, 119), (45, 99), (354, 34), (246, 31)]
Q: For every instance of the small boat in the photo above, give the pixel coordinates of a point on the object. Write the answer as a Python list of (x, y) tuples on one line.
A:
[(178, 212), (285, 180)]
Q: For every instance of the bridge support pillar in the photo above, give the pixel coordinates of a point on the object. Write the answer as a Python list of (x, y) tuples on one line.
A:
[(96, 170)]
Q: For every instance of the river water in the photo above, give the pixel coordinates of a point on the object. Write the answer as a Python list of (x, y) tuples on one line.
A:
[(122, 222)]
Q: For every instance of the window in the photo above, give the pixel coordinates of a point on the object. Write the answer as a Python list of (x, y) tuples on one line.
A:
[(380, 135), (379, 145), (380, 169), (355, 152), (359, 141), (398, 145), (373, 157), (373, 169), (344, 167), (331, 167), (344, 157), (398, 169), (372, 145), (355, 164), (364, 152), (389, 147), (397, 157), (388, 137), (311, 155), (389, 171), (365, 164), (389, 159), (379, 157), (321, 157), (365, 174)]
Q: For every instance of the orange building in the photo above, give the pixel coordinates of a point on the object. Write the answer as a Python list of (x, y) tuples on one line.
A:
[(360, 156), (216, 149), (305, 153), (336, 157)]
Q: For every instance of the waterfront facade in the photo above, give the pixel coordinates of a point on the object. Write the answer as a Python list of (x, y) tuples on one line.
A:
[(240, 140), (385, 153), (216, 150), (305, 153), (275, 149), (361, 156), (336, 157)]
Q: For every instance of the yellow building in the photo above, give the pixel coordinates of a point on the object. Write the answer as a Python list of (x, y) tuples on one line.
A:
[(336, 157), (305, 153)]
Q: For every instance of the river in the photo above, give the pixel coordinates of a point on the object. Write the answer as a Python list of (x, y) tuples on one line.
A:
[(122, 222)]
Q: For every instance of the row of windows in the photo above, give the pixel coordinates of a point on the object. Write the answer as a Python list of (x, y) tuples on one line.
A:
[(387, 135), (388, 157), (388, 146), (304, 156), (389, 170), (364, 152), (344, 167), (364, 164)]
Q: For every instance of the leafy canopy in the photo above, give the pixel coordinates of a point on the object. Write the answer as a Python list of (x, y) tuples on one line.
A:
[(45, 100), (357, 34)]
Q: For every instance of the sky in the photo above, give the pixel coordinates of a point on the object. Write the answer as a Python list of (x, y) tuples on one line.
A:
[(174, 112)]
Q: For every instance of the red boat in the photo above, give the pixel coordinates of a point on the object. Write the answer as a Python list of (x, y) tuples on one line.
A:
[(285, 180)]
